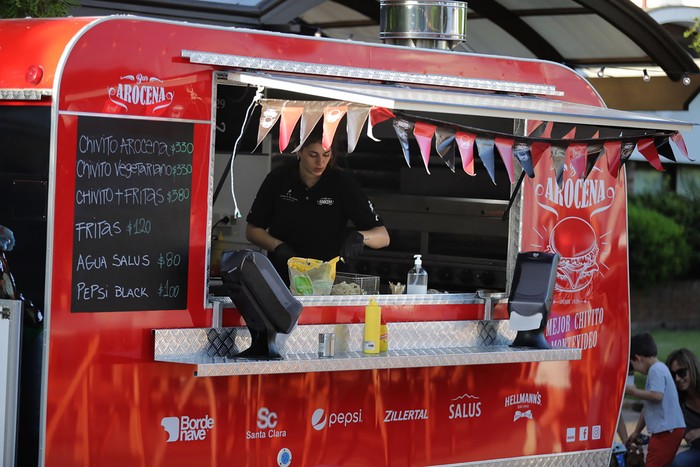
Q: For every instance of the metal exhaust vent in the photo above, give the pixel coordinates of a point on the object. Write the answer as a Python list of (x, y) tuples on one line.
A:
[(425, 24)]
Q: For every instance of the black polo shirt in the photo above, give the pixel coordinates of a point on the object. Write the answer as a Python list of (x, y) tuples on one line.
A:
[(313, 221)]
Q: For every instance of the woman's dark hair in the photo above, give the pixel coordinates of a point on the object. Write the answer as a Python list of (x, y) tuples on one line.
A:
[(686, 359), (316, 136)]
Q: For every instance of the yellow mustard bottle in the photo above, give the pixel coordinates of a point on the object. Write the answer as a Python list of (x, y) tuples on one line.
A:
[(373, 319), (383, 336)]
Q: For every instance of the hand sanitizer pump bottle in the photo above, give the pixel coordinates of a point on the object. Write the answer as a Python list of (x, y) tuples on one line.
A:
[(417, 281)]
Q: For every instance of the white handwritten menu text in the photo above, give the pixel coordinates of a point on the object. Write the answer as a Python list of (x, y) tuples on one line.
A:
[(132, 215)]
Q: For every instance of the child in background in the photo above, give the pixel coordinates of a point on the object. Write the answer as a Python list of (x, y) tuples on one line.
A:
[(662, 413)]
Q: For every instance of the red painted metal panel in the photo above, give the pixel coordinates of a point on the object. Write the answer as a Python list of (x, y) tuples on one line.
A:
[(31, 42), (109, 403)]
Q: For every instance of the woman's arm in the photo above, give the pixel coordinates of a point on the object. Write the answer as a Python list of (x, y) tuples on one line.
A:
[(261, 237), (376, 237)]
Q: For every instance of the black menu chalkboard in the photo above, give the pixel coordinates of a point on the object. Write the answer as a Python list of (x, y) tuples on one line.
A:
[(132, 214)]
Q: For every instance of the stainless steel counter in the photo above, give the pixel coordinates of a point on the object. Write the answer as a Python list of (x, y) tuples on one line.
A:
[(411, 345)]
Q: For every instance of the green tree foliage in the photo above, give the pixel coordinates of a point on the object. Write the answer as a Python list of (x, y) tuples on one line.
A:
[(685, 211), (694, 34), (36, 8), (658, 248)]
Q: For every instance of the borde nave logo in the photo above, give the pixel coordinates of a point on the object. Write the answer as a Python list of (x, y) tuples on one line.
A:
[(185, 428)]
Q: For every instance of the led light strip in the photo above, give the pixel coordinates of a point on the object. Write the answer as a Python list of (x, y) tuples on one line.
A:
[(237, 61), (24, 94)]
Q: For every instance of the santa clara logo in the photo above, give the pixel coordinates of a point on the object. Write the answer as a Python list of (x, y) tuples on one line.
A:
[(140, 90)]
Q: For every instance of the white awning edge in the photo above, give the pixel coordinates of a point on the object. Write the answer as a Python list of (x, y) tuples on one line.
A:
[(459, 102)]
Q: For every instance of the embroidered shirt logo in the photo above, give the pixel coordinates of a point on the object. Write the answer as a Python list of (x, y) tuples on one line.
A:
[(289, 197)]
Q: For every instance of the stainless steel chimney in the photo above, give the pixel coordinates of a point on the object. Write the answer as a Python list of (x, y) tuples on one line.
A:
[(426, 24)]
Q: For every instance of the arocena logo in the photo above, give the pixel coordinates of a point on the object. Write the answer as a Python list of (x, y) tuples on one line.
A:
[(140, 90), (185, 428)]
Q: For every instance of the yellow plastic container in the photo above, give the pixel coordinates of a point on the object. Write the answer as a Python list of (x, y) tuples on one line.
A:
[(383, 337), (373, 321)]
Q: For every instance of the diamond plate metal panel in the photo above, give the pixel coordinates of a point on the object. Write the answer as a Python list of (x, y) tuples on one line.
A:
[(593, 458), (24, 94), (268, 64), (382, 300), (412, 345)]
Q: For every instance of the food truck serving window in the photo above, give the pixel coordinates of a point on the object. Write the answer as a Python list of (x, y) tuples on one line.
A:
[(401, 97)]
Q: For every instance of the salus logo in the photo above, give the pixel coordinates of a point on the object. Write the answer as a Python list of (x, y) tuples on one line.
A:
[(465, 406)]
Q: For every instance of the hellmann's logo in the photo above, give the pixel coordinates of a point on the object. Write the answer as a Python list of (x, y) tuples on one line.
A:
[(185, 428), (140, 90)]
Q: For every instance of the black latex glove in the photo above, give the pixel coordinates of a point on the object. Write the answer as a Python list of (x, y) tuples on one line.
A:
[(353, 245), (279, 258), (282, 253)]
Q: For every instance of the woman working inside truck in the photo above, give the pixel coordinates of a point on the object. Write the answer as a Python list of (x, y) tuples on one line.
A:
[(303, 208)]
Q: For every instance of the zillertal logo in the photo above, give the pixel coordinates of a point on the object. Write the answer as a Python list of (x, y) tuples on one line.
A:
[(140, 90), (405, 415), (187, 429)]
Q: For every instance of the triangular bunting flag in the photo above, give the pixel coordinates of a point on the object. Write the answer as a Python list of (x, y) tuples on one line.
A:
[(356, 119), (576, 156), (678, 140), (376, 116), (558, 162), (626, 151), (379, 114), (465, 143), (663, 147), (539, 149), (289, 119), (562, 131), (612, 154), (648, 149), (313, 111), (521, 151), (485, 149), (331, 119), (505, 149), (423, 133), (402, 128), (540, 129), (593, 153), (269, 114), (445, 146)]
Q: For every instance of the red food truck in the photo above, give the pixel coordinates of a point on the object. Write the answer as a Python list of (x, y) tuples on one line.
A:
[(112, 127)]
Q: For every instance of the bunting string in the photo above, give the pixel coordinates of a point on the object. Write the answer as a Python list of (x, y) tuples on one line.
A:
[(578, 147)]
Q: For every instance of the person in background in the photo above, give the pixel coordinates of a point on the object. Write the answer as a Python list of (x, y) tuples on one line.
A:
[(303, 208), (685, 371), (662, 413), (7, 239)]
